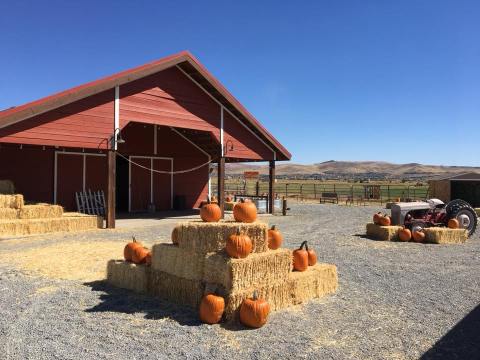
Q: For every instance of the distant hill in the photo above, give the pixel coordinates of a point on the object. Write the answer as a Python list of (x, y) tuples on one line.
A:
[(354, 169)]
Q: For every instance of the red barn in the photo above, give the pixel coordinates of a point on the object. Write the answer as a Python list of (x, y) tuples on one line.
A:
[(170, 115)]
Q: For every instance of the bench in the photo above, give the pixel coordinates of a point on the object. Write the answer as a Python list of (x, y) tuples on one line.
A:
[(329, 197)]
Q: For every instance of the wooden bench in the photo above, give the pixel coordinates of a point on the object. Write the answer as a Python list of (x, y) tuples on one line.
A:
[(329, 197)]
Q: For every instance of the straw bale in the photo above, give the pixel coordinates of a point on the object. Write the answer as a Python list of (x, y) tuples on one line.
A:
[(11, 201), (7, 187), (443, 235), (385, 233), (229, 205), (8, 213), (127, 275), (203, 237), (477, 210), (176, 289), (254, 270), (40, 226), (180, 262), (40, 212), (315, 282)]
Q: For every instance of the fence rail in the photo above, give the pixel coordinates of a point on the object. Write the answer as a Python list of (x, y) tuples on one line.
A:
[(345, 192)]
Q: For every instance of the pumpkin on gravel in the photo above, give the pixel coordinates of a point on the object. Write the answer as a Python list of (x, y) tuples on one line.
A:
[(275, 238), (404, 234), (129, 248), (245, 211), (254, 311), (300, 258), (210, 212), (212, 308), (238, 245)]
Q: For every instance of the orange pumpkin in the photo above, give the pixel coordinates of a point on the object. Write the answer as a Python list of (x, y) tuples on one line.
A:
[(210, 212), (300, 258), (129, 248), (238, 245), (254, 311), (385, 220), (275, 238), (245, 211), (376, 218), (418, 236), (312, 255), (453, 223), (175, 232), (229, 198), (148, 258), (140, 255), (212, 308), (404, 234)]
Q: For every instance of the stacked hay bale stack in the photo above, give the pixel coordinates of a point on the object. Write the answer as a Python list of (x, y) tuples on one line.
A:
[(196, 264), (18, 219)]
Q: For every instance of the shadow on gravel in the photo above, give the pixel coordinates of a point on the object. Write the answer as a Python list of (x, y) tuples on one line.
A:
[(363, 236), (461, 342), (124, 301)]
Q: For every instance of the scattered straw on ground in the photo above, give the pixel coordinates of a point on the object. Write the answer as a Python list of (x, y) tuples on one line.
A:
[(84, 261)]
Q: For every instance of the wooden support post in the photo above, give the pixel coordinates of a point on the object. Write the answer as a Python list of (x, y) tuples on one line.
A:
[(221, 184), (271, 188), (284, 206), (111, 190)]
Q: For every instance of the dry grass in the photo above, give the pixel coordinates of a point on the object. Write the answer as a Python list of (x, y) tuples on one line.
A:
[(11, 201), (256, 269), (202, 237), (440, 235), (84, 261), (177, 261), (385, 233)]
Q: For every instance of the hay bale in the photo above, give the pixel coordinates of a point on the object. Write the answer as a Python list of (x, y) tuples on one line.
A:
[(477, 210), (11, 201), (129, 276), (317, 281), (180, 262), (8, 213), (203, 237), (385, 233), (254, 270), (40, 211), (229, 205), (442, 235), (21, 227), (176, 289), (6, 187)]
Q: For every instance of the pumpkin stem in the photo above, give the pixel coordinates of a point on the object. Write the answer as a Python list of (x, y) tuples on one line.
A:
[(303, 244), (133, 239), (208, 200), (255, 295), (273, 227), (238, 231), (242, 200)]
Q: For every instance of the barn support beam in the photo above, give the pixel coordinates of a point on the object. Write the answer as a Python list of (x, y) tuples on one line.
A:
[(271, 184), (111, 190), (221, 184)]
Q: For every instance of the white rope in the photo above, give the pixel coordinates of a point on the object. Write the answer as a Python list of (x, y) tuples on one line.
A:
[(165, 172)]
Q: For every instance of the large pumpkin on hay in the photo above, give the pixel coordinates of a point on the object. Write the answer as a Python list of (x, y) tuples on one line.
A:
[(245, 211), (312, 255), (212, 308), (453, 224), (275, 238), (376, 218), (210, 212), (404, 234), (385, 220), (140, 255), (129, 248), (254, 311), (238, 245), (300, 258)]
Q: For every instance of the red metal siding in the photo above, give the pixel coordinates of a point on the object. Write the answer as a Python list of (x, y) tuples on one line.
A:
[(30, 169), (245, 144), (168, 98), (82, 124)]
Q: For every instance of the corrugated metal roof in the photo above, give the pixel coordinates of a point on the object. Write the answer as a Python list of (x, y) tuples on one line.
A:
[(19, 113)]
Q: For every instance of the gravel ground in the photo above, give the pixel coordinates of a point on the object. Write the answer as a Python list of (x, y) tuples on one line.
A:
[(395, 301)]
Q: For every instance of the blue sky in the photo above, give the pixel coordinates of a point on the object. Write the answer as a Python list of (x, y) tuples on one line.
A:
[(346, 80)]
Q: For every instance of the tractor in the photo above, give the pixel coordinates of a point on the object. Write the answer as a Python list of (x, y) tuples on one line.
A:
[(433, 212)]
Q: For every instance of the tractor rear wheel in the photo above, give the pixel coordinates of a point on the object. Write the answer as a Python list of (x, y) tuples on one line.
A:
[(464, 213)]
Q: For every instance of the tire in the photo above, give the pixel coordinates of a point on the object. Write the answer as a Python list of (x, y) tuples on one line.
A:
[(460, 210)]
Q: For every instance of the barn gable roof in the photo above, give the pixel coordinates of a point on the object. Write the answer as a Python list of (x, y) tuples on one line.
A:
[(184, 60)]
